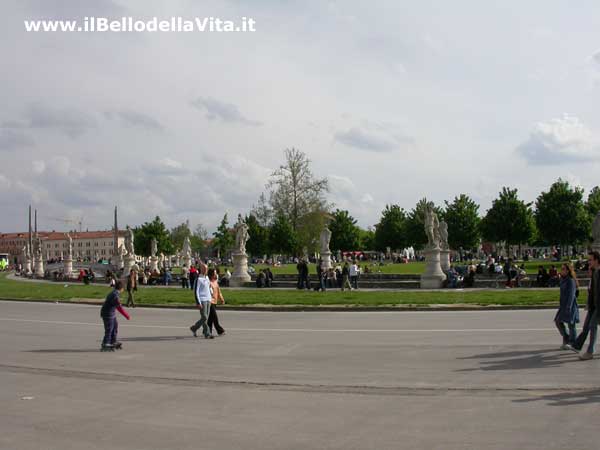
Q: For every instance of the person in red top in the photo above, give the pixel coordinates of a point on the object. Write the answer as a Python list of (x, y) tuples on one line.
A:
[(108, 312), (193, 275)]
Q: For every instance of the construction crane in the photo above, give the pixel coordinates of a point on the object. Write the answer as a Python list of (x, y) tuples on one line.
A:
[(77, 222)]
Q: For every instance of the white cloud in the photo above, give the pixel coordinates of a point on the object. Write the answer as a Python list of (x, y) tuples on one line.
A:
[(38, 166), (4, 182), (562, 140)]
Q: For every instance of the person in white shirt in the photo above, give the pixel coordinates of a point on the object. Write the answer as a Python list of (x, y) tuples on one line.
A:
[(354, 273), (203, 294)]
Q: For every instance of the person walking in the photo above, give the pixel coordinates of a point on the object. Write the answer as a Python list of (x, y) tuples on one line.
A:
[(590, 325), (193, 275), (203, 298), (108, 312), (185, 277), (568, 311), (216, 298), (345, 277), (131, 287), (354, 272)]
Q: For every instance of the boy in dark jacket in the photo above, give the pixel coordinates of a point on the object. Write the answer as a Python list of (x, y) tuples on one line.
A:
[(111, 305)]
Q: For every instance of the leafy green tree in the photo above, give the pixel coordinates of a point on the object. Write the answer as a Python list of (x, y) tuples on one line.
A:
[(415, 224), (262, 211), (561, 215), (258, 244), (309, 230), (179, 233), (223, 238), (345, 235), (144, 234), (391, 229), (366, 239), (593, 202), (509, 220), (282, 237), (462, 217)]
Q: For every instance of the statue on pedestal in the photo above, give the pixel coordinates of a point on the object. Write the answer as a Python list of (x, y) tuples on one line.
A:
[(241, 235), (69, 246), (443, 233), (153, 247), (432, 228), (129, 241), (324, 240)]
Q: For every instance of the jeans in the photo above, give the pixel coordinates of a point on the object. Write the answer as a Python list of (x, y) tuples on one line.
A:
[(568, 338), (111, 328), (590, 325), (184, 283), (203, 322), (354, 281), (130, 298)]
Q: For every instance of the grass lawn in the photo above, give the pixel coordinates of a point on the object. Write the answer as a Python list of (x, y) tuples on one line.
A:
[(411, 268), (152, 295)]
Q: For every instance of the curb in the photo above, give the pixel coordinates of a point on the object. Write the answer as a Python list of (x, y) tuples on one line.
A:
[(309, 308)]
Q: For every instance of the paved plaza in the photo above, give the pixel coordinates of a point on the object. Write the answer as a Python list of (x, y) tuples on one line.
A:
[(353, 380)]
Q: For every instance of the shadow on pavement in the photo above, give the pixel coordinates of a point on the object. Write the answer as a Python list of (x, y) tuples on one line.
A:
[(566, 398), (64, 350), (156, 338), (519, 360)]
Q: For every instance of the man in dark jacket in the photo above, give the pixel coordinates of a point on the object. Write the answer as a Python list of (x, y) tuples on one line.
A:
[(591, 321)]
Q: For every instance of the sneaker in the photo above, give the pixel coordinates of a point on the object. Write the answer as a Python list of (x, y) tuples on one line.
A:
[(566, 347), (107, 348), (584, 356), (193, 331), (222, 333), (118, 345), (209, 336)]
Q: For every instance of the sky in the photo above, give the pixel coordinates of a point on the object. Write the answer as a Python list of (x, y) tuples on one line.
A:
[(392, 101)]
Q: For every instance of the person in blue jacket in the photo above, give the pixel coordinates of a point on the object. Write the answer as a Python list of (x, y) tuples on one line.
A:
[(568, 311)]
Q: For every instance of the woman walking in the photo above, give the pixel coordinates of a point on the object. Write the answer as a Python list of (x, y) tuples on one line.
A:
[(216, 297), (568, 311)]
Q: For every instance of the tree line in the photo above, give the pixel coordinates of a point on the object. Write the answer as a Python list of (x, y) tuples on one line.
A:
[(290, 214)]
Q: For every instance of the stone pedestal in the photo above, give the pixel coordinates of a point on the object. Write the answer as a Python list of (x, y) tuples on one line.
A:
[(433, 277), (445, 260), (68, 267), (39, 268), (326, 258), (128, 262), (27, 267), (240, 270), (154, 264)]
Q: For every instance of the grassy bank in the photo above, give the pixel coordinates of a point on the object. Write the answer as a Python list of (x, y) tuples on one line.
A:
[(162, 296)]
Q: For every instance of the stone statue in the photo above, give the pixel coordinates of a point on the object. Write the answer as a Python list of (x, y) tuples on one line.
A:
[(432, 228), (153, 247), (69, 245), (241, 235), (129, 241), (325, 238), (596, 230), (443, 232), (187, 247)]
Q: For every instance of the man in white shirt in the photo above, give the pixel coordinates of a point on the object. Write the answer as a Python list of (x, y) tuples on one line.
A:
[(203, 294), (354, 272)]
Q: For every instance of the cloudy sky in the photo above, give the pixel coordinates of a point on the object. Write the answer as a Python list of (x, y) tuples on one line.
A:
[(392, 101)]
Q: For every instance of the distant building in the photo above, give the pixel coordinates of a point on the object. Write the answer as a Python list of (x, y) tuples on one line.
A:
[(86, 244)]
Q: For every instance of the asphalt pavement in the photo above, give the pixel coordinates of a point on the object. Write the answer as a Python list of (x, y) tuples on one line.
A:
[(291, 380)]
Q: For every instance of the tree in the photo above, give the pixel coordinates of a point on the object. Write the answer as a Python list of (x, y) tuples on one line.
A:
[(199, 238), (509, 220), (561, 216), (223, 238), (179, 233), (144, 234), (345, 235), (462, 217), (262, 211), (415, 224), (295, 192), (390, 231), (258, 244), (366, 239), (282, 237), (593, 202)]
